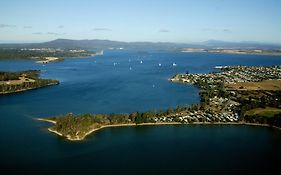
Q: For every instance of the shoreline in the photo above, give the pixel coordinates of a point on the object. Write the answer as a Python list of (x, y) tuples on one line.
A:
[(28, 89), (234, 53), (150, 124), (217, 105), (46, 120)]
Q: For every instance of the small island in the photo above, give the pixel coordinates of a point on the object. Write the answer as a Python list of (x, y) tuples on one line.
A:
[(233, 95), (11, 82)]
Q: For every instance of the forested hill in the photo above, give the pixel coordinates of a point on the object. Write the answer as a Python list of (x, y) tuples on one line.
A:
[(105, 44), (11, 82)]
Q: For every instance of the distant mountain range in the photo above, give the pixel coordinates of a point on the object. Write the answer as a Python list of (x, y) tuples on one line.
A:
[(106, 44)]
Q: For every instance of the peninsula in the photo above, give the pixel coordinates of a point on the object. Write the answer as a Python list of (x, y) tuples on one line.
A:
[(270, 52), (233, 95), (11, 82), (44, 55)]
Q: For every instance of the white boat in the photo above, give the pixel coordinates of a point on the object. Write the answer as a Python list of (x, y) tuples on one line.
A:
[(99, 53), (174, 64), (220, 67)]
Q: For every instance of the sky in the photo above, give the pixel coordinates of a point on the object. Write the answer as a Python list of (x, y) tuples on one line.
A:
[(184, 21)]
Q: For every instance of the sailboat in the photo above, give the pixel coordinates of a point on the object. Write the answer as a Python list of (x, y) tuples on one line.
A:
[(99, 53)]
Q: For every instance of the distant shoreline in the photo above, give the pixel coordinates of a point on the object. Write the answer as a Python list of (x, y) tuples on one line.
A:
[(150, 124), (232, 51)]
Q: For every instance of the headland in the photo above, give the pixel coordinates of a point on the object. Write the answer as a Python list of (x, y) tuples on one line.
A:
[(221, 103)]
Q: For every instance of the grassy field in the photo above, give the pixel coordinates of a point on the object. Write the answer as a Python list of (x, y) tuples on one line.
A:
[(270, 85), (268, 112)]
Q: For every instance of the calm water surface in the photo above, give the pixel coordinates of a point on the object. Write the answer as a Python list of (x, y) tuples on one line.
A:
[(135, 83)]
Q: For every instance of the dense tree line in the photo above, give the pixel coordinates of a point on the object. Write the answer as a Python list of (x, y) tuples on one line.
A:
[(29, 54), (5, 76), (258, 99), (70, 124), (25, 85), (261, 119)]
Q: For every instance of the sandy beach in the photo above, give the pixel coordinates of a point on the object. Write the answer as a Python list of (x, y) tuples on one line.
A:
[(46, 120)]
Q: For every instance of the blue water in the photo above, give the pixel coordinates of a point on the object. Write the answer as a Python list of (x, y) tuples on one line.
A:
[(95, 85)]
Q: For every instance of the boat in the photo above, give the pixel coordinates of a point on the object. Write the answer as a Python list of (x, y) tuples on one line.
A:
[(220, 67), (99, 53)]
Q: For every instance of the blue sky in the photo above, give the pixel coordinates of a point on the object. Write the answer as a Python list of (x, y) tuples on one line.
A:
[(141, 20)]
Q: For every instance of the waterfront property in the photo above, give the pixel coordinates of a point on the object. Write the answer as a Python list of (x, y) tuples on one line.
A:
[(43, 55), (218, 104), (100, 88)]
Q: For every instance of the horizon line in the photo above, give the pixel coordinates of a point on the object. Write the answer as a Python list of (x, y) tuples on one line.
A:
[(173, 42)]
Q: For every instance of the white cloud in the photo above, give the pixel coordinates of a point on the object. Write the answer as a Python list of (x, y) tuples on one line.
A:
[(164, 31), (27, 27), (101, 29), (227, 30)]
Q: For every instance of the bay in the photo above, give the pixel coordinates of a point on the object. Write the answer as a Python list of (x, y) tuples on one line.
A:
[(123, 82)]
